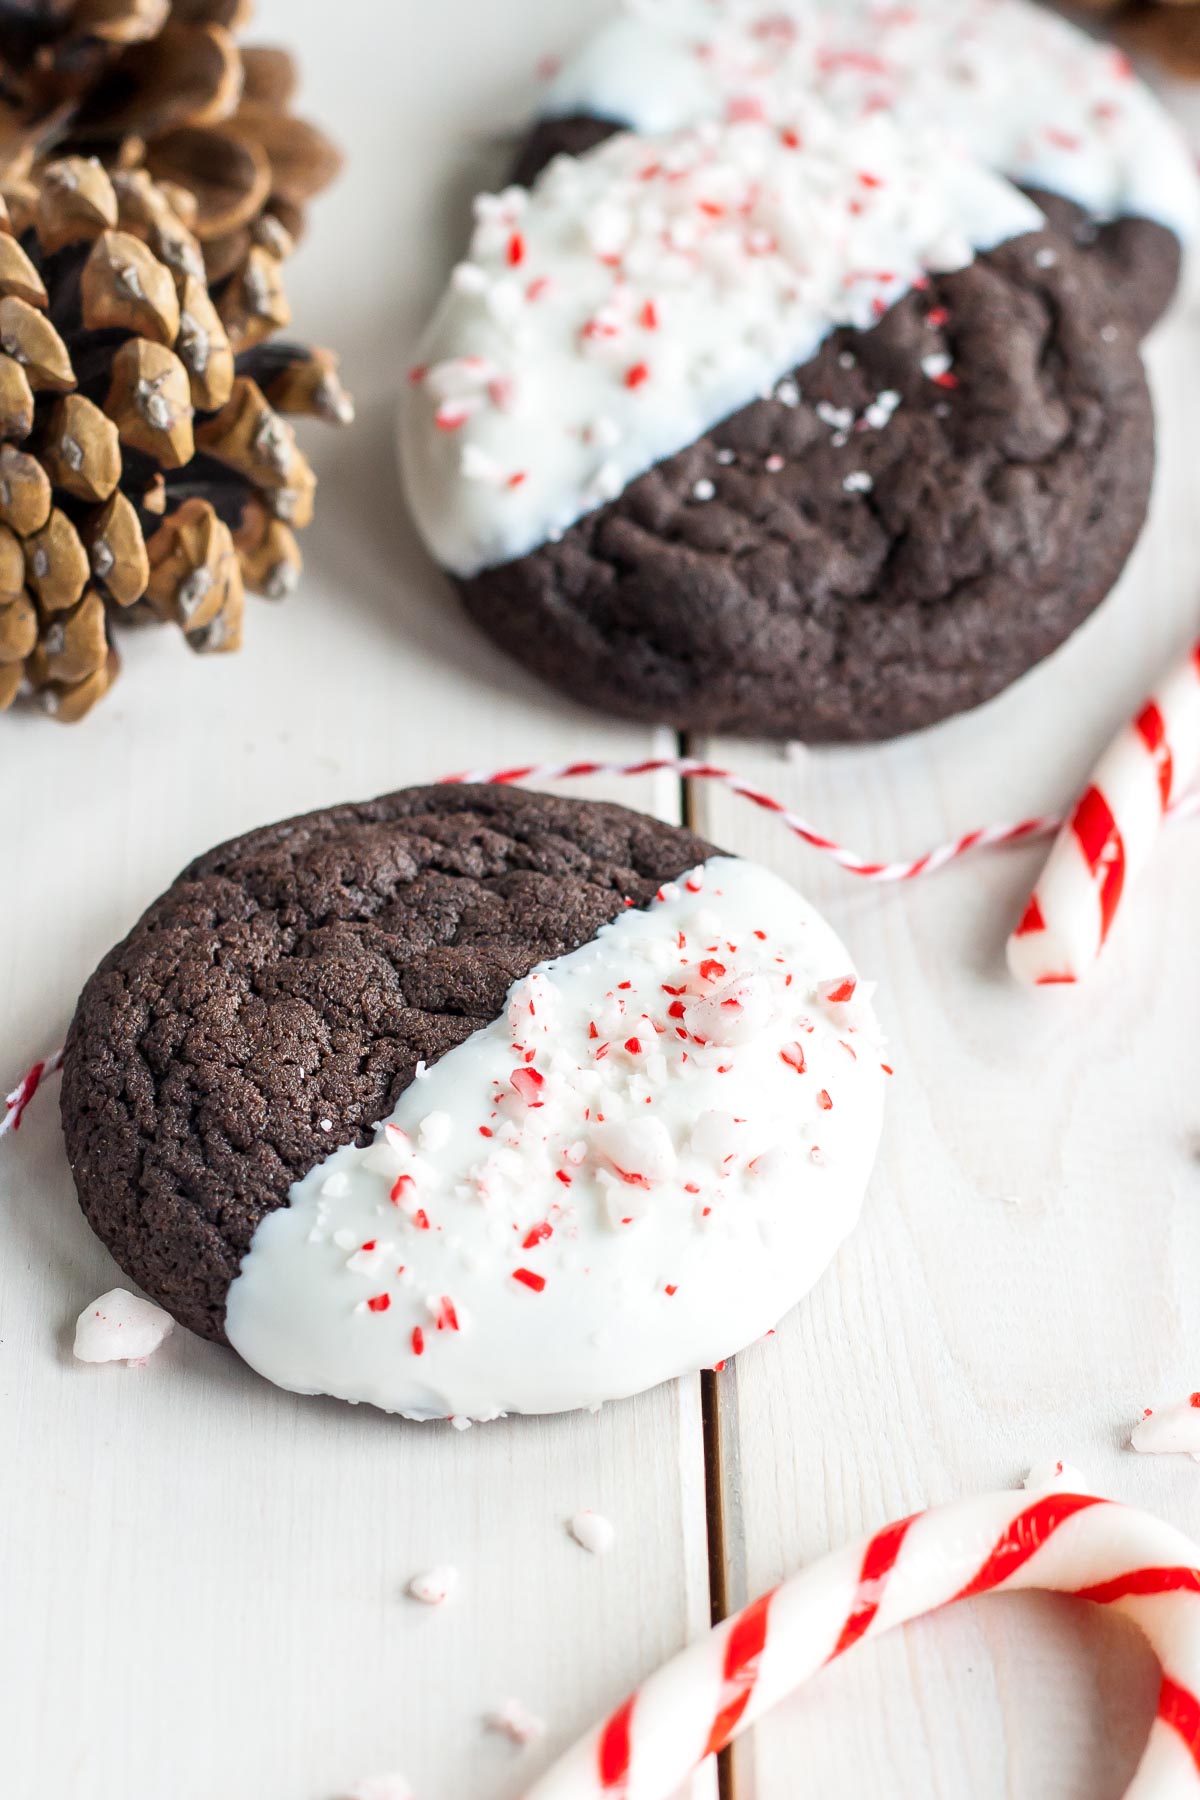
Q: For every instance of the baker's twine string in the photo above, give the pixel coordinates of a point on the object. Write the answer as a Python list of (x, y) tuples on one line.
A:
[(987, 837)]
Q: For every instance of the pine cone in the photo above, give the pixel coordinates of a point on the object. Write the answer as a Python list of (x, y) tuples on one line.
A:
[(1166, 29), (145, 466), (164, 85)]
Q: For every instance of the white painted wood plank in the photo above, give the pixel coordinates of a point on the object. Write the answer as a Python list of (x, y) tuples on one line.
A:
[(959, 1337), (201, 1578)]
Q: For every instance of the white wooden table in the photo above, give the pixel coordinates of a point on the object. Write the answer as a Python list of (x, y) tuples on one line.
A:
[(201, 1579)]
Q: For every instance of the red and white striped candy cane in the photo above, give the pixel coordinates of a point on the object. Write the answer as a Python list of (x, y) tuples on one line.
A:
[(1068, 1543), (26, 1088), (1108, 837)]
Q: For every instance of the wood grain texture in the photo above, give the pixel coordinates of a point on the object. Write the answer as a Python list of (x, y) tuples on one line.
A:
[(1023, 1280), (202, 1578)]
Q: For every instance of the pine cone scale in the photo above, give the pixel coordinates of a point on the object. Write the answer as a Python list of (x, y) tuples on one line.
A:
[(145, 462)]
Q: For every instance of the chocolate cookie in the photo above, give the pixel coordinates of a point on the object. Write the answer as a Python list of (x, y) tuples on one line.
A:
[(1024, 91), (467, 1101), (278, 998), (922, 504)]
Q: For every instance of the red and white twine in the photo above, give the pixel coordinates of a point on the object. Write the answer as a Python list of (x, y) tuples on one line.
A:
[(989, 837), (1067, 1543)]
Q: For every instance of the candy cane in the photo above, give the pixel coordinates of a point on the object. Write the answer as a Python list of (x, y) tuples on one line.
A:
[(1068, 1543), (26, 1088), (988, 837), (1108, 837)]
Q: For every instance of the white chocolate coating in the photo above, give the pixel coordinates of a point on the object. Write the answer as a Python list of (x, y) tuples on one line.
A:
[(631, 1174), (1024, 91), (643, 293)]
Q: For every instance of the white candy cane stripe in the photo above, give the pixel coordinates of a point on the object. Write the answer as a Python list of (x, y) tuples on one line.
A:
[(1068, 1543), (26, 1088), (1108, 837)]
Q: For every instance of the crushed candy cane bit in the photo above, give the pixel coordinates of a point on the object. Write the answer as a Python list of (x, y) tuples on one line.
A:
[(436, 1586), (1045, 1477), (1171, 1431), (380, 1787), (593, 1532), (121, 1327), (515, 1721)]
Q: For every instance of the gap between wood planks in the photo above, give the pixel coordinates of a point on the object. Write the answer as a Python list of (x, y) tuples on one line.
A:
[(710, 1412)]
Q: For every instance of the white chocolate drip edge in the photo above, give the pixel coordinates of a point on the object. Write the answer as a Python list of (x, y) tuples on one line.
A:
[(640, 294)]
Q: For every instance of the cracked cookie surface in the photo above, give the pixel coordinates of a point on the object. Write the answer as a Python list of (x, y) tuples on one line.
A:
[(916, 518), (276, 1000)]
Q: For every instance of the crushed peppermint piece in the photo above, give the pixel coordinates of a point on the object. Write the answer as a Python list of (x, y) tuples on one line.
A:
[(380, 1787), (121, 1327), (593, 1532), (1170, 1430), (858, 482), (703, 490), (514, 1720), (878, 414), (1047, 1476), (436, 1586)]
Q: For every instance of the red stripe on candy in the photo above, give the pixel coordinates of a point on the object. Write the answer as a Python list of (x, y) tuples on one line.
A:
[(743, 1649), (1151, 727), (1141, 1582), (1179, 1708), (1104, 850), (615, 1747), (24, 1094), (1024, 1538), (878, 1562), (1033, 919)]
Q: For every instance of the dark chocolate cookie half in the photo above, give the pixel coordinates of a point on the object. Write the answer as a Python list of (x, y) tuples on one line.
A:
[(277, 999), (914, 520)]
